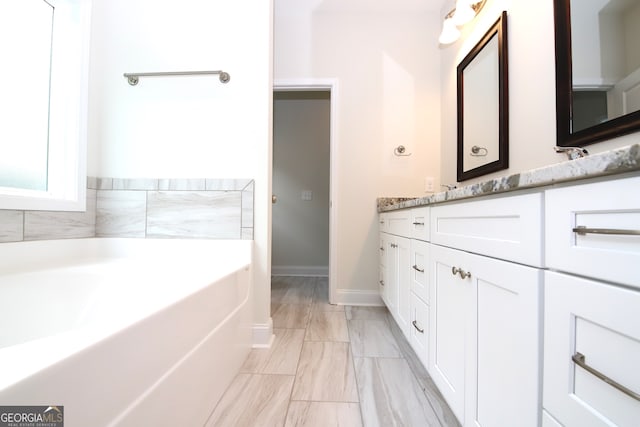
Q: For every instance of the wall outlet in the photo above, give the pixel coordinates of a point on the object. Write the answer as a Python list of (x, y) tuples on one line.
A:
[(429, 184)]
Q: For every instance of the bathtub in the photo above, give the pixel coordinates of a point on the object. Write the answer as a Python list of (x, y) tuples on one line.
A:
[(124, 332)]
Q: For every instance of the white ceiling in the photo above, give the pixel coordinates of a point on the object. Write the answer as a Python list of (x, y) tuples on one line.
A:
[(365, 5)]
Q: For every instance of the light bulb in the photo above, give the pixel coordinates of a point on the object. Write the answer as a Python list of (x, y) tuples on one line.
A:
[(464, 13), (450, 32)]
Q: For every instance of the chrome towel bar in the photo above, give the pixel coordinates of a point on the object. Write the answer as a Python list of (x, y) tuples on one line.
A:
[(133, 78)]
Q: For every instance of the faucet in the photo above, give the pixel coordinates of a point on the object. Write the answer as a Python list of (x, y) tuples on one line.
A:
[(572, 152), (449, 187)]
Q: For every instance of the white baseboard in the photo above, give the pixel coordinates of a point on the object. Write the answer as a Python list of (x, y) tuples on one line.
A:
[(357, 297), (300, 270), (263, 334)]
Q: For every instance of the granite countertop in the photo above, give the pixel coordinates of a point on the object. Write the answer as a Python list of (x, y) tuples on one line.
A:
[(612, 162)]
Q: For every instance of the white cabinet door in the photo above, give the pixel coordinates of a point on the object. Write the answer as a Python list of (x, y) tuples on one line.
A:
[(402, 282), (502, 388), (391, 284), (450, 317), (597, 325), (394, 267), (484, 350), (420, 269)]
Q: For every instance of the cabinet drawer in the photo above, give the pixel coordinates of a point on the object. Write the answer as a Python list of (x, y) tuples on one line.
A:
[(602, 323), (419, 328), (603, 207), (420, 223), (383, 223), (420, 269), (508, 228), (399, 222)]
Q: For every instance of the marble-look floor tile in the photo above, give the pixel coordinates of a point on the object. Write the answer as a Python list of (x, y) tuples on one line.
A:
[(372, 338), (356, 313), (253, 400), (327, 326), (439, 405), (390, 394), (323, 414), (292, 290), (321, 296), (325, 373), (290, 316), (281, 358)]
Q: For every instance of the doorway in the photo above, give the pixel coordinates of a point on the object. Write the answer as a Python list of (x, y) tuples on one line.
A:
[(303, 148)]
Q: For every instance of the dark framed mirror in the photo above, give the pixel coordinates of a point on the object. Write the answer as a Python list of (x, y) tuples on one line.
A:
[(597, 70), (483, 105)]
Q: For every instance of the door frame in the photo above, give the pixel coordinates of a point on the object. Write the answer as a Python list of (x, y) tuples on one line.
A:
[(331, 85)]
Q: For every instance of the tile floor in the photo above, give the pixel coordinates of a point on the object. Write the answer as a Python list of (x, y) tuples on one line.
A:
[(330, 366)]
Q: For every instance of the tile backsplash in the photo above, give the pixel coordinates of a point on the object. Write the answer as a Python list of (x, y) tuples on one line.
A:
[(144, 208)]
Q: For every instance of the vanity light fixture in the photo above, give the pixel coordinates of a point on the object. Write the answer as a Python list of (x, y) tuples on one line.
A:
[(463, 13)]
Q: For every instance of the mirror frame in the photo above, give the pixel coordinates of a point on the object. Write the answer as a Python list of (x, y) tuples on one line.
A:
[(499, 30), (618, 126)]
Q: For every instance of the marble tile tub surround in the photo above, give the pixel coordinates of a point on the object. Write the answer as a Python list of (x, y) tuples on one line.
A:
[(619, 161), (144, 208)]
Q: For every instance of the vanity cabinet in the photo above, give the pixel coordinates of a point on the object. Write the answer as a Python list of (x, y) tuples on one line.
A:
[(529, 304), (592, 305), (485, 312), (395, 229)]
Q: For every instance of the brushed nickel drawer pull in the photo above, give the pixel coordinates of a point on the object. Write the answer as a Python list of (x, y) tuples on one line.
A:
[(416, 326), (381, 282), (418, 223), (463, 274), (579, 359), (415, 267), (382, 248), (582, 230)]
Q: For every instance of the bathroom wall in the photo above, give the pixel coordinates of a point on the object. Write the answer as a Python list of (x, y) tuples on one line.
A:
[(144, 208), (386, 63), (186, 127), (300, 240), (532, 108)]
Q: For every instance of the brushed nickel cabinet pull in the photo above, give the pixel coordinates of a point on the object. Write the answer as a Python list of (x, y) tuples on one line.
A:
[(416, 326), (382, 282), (381, 248), (415, 267), (582, 230), (463, 274), (418, 223), (579, 359)]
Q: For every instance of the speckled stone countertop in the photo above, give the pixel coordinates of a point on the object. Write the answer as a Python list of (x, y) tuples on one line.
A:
[(612, 162)]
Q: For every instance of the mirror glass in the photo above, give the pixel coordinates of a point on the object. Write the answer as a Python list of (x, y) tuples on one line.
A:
[(483, 105), (597, 69)]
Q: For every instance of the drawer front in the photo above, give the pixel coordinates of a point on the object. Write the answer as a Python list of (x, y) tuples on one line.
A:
[(603, 207), (420, 269), (508, 228), (419, 328), (399, 222), (602, 323), (383, 223), (420, 223)]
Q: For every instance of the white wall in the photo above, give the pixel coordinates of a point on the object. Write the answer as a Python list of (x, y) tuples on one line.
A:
[(300, 240), (532, 99), (186, 127), (386, 62)]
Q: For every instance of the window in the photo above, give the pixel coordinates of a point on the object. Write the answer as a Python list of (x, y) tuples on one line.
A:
[(43, 82)]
